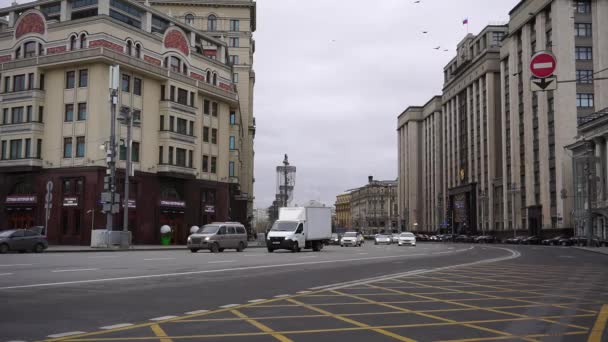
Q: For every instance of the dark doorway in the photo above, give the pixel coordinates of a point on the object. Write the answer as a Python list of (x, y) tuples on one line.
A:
[(535, 220)]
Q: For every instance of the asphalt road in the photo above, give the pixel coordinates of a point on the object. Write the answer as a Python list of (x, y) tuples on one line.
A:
[(56, 294)]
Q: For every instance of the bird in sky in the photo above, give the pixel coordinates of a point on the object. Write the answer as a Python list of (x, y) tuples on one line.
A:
[(425, 32), (417, 1), (437, 48)]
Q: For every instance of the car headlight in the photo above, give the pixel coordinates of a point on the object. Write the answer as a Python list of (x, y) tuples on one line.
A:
[(207, 238), (189, 239)]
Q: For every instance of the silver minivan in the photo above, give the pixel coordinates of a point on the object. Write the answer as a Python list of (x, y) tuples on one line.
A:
[(218, 236)]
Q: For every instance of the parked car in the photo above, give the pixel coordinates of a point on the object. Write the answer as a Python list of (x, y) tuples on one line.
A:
[(218, 236), (516, 240), (485, 239), (407, 239), (464, 238), (381, 238), (556, 240), (447, 237), (421, 237), (433, 238), (532, 240), (582, 241), (335, 239), (394, 238), (22, 240), (351, 239)]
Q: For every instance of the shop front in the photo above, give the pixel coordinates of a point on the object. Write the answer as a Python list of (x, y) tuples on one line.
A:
[(172, 214), (20, 210)]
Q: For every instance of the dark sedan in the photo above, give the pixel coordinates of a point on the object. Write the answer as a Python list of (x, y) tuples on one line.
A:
[(556, 241), (516, 240), (532, 240), (485, 239), (464, 238), (22, 240)]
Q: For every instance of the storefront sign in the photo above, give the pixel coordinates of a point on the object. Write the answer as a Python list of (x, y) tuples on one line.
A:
[(173, 204), (20, 199), (132, 204), (210, 209), (70, 201)]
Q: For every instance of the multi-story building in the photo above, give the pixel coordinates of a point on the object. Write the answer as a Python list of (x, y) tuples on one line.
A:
[(449, 149), (54, 61), (374, 206), (343, 218), (233, 22)]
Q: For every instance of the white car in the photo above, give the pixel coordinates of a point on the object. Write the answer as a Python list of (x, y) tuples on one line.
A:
[(407, 239), (351, 239), (381, 238), (395, 238)]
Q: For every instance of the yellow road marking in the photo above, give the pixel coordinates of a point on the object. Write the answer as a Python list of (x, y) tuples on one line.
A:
[(353, 322), (599, 326), (158, 331), (261, 326), (522, 337)]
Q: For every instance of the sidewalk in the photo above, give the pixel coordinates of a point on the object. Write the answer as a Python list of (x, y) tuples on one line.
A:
[(601, 250), (134, 248)]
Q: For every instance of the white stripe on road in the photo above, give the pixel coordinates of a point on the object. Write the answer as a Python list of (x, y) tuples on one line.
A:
[(196, 312), (220, 261), (308, 257), (302, 292), (103, 257), (244, 268), (162, 318), (1, 274), (66, 334), (546, 65), (362, 253), (75, 270), (116, 326), (256, 300), (11, 265), (229, 306), (281, 296), (151, 259)]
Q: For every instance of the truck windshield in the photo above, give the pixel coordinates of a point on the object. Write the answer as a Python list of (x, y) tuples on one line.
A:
[(208, 230), (350, 234), (284, 226)]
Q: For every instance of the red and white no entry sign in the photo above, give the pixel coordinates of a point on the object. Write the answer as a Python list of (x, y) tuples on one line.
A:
[(543, 64)]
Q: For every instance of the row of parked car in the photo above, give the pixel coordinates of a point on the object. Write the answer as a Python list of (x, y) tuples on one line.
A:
[(561, 240)]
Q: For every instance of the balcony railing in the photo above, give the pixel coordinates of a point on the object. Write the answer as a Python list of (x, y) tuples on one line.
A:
[(179, 137), (171, 105), (21, 95), (23, 162), (168, 168), (24, 127)]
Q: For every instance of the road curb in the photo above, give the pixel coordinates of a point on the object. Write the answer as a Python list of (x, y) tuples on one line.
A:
[(96, 250), (597, 250)]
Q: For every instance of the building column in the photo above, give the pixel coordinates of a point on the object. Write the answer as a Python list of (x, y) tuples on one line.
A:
[(11, 19), (103, 7)]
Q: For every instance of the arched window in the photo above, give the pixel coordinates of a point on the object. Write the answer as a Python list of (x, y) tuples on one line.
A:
[(29, 49), (185, 69), (138, 50), (214, 79), (208, 78), (40, 49), (83, 41), (129, 48), (175, 64), (211, 23), (73, 43), (189, 19), (199, 49), (18, 53)]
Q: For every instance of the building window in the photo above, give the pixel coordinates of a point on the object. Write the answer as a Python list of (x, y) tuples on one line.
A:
[(191, 128), (234, 25), (69, 113), (180, 157), (172, 94), (584, 76), (214, 135), (182, 126), (213, 164), (3, 156), (191, 99), (129, 48), (211, 23), (82, 111), (163, 89), (79, 147), (206, 107), (7, 84), (583, 53), (28, 148), (29, 49), (182, 96), (69, 79), (231, 169), (232, 144), (582, 29), (205, 164), (206, 134), (235, 77), (233, 59), (208, 77), (83, 41), (29, 114), (18, 82), (497, 38), (584, 100), (160, 155), (214, 107), (30, 81), (214, 79), (41, 114), (125, 19), (189, 19), (190, 158), (138, 50), (232, 117), (583, 6), (67, 147), (233, 42), (137, 86), (171, 123), (39, 149), (17, 115), (170, 155), (175, 64), (15, 149), (126, 83), (135, 152), (72, 43), (83, 78), (5, 116)]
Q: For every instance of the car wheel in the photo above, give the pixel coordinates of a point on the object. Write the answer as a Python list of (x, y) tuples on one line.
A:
[(193, 250), (564, 244), (375, 243), (295, 248), (341, 245), (270, 250), (39, 248), (221, 249), (214, 248), (3, 248), (240, 247)]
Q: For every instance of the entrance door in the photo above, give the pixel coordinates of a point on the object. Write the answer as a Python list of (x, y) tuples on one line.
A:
[(535, 220), (175, 220)]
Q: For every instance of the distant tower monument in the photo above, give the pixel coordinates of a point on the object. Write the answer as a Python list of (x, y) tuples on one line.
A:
[(286, 180)]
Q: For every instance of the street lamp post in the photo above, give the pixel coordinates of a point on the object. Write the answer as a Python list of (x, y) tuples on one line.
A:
[(130, 118)]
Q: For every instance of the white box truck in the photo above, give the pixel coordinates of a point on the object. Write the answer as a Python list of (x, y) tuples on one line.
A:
[(300, 227)]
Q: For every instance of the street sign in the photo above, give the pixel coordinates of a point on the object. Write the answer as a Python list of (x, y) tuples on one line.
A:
[(543, 64), (543, 84), (49, 186)]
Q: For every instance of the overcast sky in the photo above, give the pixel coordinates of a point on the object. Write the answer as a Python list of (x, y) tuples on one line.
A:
[(333, 75)]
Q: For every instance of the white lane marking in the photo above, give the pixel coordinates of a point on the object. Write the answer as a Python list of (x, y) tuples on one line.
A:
[(256, 300), (116, 326), (229, 306), (281, 296), (566, 256), (302, 292), (252, 255), (1, 274), (66, 334), (220, 261), (244, 268), (103, 256), (15, 341), (196, 312), (308, 257), (162, 318), (362, 253), (11, 265), (75, 270), (546, 65), (151, 259)]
